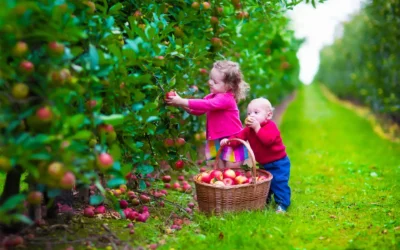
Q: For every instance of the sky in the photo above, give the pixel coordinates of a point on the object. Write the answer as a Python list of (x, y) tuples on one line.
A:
[(319, 26)]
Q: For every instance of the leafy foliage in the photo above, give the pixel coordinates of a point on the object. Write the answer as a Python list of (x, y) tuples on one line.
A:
[(363, 65), (82, 78)]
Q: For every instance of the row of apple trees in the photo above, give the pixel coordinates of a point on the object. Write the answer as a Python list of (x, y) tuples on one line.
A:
[(82, 84), (364, 64)]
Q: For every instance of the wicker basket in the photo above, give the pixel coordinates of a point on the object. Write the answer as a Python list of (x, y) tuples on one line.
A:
[(219, 199)]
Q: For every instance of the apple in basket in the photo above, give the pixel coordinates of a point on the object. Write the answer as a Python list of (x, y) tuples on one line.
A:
[(217, 175), (229, 173), (228, 181), (205, 177), (237, 173), (219, 183), (241, 179), (261, 178)]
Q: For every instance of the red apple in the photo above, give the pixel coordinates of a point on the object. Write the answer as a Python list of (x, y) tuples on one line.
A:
[(170, 94), (166, 178), (165, 192), (26, 67), (104, 161), (100, 210), (229, 173), (20, 49), (248, 174), (179, 164), (217, 175), (90, 104), (214, 20), (35, 197), (180, 142), (88, 212), (169, 142), (261, 178), (186, 187), (55, 48), (203, 71), (228, 181), (176, 186), (144, 198), (106, 128), (123, 204), (44, 114), (191, 204), (205, 177), (167, 185), (241, 179), (219, 183), (20, 91), (135, 201), (217, 42), (195, 5), (181, 178), (12, 241), (206, 5), (55, 170), (68, 180)]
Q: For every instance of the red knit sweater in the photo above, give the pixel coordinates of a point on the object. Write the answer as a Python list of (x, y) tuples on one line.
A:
[(267, 144)]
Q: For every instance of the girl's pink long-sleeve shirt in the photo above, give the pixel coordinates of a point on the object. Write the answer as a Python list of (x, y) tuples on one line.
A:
[(222, 114)]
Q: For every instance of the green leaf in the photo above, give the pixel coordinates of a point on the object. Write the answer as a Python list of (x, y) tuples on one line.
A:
[(100, 187), (96, 199), (116, 166), (82, 135), (137, 106), (94, 58), (145, 169), (115, 8), (152, 119), (12, 202), (116, 182), (115, 152), (115, 119), (22, 218), (40, 156), (76, 120), (142, 185)]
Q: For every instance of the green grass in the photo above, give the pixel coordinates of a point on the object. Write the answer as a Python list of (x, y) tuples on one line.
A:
[(345, 192)]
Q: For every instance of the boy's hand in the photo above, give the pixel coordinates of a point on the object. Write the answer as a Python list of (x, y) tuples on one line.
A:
[(253, 123), (224, 142)]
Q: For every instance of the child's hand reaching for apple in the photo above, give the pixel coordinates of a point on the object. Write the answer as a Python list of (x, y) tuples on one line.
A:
[(175, 100)]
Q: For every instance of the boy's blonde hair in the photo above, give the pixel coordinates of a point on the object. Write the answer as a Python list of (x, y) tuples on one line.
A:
[(265, 102), (234, 78)]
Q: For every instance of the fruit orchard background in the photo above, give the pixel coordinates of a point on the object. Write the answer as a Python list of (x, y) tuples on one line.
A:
[(363, 65), (82, 78)]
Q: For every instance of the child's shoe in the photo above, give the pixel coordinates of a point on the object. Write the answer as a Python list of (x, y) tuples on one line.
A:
[(280, 210)]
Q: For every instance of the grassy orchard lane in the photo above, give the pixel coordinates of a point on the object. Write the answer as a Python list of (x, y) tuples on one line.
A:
[(344, 183)]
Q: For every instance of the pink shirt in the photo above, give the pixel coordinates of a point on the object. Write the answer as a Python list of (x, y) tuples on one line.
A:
[(221, 112)]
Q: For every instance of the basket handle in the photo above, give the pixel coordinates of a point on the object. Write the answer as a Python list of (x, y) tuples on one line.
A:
[(251, 154)]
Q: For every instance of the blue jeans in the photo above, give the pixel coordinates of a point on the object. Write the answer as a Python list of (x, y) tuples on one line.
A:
[(280, 171)]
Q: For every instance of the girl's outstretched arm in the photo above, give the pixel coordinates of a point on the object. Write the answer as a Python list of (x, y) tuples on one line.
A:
[(194, 112)]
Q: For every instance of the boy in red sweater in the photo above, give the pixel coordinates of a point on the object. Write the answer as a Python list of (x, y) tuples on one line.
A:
[(266, 142)]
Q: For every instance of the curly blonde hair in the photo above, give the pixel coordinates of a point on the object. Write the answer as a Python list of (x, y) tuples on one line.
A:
[(234, 78)]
